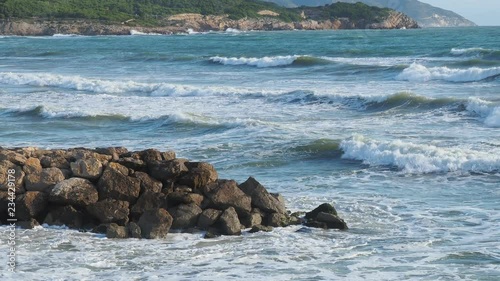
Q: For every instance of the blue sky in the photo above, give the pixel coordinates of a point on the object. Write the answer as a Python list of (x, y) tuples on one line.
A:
[(482, 12)]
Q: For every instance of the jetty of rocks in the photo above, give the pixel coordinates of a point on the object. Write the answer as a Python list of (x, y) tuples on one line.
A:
[(138, 194)]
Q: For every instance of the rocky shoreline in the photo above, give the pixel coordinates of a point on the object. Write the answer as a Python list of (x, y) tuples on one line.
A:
[(138, 194), (184, 23)]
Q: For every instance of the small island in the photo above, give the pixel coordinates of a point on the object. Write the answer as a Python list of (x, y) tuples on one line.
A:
[(122, 17)]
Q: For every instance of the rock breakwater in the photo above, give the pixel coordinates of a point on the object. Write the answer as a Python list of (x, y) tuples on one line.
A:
[(138, 194)]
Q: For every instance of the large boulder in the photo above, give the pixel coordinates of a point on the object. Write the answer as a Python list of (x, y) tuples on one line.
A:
[(11, 156), (90, 168), (30, 205), (176, 198), (56, 159), (66, 215), (167, 170), (148, 183), (155, 223), (199, 175), (134, 231), (251, 219), (110, 210), (148, 201), (185, 216), (261, 198), (225, 193), (208, 218), (229, 222), (32, 166), (7, 177), (133, 163), (323, 208), (276, 220), (74, 191), (44, 180), (325, 216), (150, 155), (116, 231), (115, 183)]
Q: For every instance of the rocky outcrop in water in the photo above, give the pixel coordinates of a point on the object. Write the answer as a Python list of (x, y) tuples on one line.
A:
[(138, 194), (183, 23)]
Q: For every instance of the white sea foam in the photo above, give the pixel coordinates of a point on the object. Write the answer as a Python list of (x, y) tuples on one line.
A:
[(136, 32), (258, 62), (486, 110), (233, 30), (457, 51), (419, 73), (419, 158), (66, 35)]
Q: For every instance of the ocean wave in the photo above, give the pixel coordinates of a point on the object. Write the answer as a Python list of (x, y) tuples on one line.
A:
[(139, 33), (477, 51), (258, 62), (419, 73), (486, 110), (418, 158)]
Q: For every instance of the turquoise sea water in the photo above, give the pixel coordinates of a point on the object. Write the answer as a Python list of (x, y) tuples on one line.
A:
[(399, 129)]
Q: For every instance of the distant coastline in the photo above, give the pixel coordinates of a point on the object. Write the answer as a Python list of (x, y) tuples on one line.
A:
[(189, 22)]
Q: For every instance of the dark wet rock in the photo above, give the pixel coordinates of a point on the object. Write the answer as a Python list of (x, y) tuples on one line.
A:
[(44, 180), (4, 201), (30, 205), (259, 228), (229, 222), (185, 216), (101, 229), (66, 215), (155, 224), (150, 155), (148, 183), (74, 191), (110, 210), (134, 231), (29, 224), (87, 168), (331, 221), (148, 201), (225, 193), (276, 220), (208, 218), (132, 163), (114, 152), (261, 198), (182, 188), (294, 220), (57, 159), (199, 175), (116, 231), (115, 183), (167, 170), (32, 165), (176, 198), (323, 208), (211, 234), (18, 177), (251, 219)]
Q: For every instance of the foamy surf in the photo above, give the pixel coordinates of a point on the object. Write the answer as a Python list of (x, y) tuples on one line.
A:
[(420, 73), (486, 110), (419, 158), (258, 62)]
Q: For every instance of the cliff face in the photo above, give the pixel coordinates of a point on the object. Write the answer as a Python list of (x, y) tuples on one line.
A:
[(195, 22), (426, 15)]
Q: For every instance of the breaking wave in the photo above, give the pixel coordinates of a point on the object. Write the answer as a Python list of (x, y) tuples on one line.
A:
[(418, 158), (486, 110), (419, 73)]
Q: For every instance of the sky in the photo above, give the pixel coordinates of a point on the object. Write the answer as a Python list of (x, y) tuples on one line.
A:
[(482, 12)]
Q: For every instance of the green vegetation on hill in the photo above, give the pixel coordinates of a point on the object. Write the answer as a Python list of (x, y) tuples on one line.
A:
[(153, 11)]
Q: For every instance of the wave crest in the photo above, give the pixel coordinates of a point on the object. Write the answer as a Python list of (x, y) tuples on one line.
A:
[(419, 73), (419, 158)]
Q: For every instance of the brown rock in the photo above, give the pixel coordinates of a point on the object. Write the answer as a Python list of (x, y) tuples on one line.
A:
[(32, 165), (276, 220), (185, 216), (331, 221), (29, 224), (225, 193), (6, 177), (150, 155), (110, 210), (115, 231), (251, 219), (115, 184), (134, 231), (66, 215), (44, 180), (199, 175), (261, 198), (323, 208), (155, 224), (229, 222), (132, 163), (148, 183), (208, 217), (57, 159), (30, 205), (74, 191), (259, 228), (175, 198), (168, 155), (148, 201), (167, 170), (87, 168), (11, 156)]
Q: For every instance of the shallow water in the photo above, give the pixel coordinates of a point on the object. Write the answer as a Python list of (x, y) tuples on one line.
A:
[(398, 129)]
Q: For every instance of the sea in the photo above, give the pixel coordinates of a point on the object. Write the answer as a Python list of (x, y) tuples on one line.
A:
[(398, 129)]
